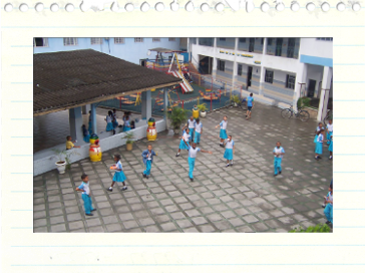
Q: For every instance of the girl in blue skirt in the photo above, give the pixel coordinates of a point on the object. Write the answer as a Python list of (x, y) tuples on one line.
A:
[(109, 122), (319, 144), (147, 156), (329, 131), (228, 154), (115, 122), (127, 124), (119, 175), (184, 142), (319, 127), (223, 130), (191, 125), (330, 148)]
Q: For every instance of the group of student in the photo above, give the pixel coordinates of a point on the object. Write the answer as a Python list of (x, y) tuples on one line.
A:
[(319, 139)]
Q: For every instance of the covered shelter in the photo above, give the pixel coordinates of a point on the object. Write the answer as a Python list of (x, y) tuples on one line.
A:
[(72, 80)]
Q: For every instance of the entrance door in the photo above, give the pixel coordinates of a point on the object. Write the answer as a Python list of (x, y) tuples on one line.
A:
[(251, 47), (249, 76), (311, 88), (143, 63), (279, 45)]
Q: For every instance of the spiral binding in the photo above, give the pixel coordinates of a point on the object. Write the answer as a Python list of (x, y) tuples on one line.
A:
[(190, 6)]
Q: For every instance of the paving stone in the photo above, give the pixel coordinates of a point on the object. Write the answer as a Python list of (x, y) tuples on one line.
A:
[(110, 220), (114, 228), (199, 220), (73, 217), (192, 213), (214, 217), (235, 222), (223, 225), (58, 228), (168, 227), (184, 223), (191, 230), (76, 225), (57, 220), (39, 223), (130, 224), (152, 229), (250, 219), (93, 222), (146, 222)]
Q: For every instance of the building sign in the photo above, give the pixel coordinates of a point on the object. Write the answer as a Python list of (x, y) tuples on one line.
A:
[(232, 53), (257, 62)]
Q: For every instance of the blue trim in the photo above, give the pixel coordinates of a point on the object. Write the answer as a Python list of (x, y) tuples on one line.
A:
[(316, 60)]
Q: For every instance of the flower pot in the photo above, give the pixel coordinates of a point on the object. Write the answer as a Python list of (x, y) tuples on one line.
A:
[(61, 166), (129, 146), (203, 114)]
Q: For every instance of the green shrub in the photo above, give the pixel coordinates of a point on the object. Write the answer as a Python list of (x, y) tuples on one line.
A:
[(177, 117), (303, 102), (317, 228)]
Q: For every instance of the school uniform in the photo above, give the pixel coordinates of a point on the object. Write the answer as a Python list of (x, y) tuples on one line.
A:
[(148, 160), (319, 144), (228, 153), (317, 130), (328, 210), (86, 135), (119, 176), (86, 197), (191, 126), (115, 122), (329, 133), (198, 131), (191, 160), (223, 131), (185, 137), (127, 126), (249, 103), (330, 148), (109, 124), (278, 159)]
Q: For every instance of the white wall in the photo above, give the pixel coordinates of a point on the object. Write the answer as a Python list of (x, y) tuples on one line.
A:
[(317, 48)]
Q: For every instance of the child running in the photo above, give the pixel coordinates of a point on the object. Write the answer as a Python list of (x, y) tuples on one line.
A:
[(119, 175), (70, 143), (330, 148), (85, 189), (329, 130), (109, 122), (193, 150), (228, 153), (198, 131), (319, 144), (223, 131), (250, 104), (147, 156), (328, 210), (184, 142), (278, 156), (191, 125)]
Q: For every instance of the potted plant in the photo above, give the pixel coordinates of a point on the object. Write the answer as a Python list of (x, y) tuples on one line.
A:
[(177, 116), (303, 102), (130, 141), (236, 100), (64, 160), (203, 109)]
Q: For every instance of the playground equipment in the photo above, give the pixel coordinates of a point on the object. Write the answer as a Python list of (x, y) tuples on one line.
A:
[(151, 130), (209, 97), (95, 150), (185, 85), (138, 99)]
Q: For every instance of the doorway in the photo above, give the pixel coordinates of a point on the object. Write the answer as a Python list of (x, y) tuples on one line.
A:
[(249, 76), (251, 47), (142, 62), (311, 88), (291, 46), (279, 45), (205, 64)]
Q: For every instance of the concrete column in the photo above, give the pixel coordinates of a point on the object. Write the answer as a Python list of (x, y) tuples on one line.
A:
[(300, 78), (188, 47), (93, 118), (214, 66), (326, 86), (262, 69), (85, 109), (165, 104), (75, 121), (235, 62), (146, 105)]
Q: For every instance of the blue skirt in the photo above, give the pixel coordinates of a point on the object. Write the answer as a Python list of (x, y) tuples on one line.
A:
[(315, 139), (115, 124), (119, 177), (109, 127), (183, 146), (126, 129), (330, 148), (228, 154), (319, 147), (223, 134)]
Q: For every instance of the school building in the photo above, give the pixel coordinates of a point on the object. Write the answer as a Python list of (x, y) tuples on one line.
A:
[(274, 69)]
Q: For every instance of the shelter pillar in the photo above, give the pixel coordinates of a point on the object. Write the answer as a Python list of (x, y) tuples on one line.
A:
[(300, 85), (85, 109), (93, 118), (262, 69), (146, 105), (326, 87), (166, 104), (235, 63), (75, 121)]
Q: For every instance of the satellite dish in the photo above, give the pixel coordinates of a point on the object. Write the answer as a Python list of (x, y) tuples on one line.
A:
[(148, 53)]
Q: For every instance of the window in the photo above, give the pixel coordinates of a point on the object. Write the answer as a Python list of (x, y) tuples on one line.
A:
[(290, 81), (172, 39), (69, 41), (96, 41), (242, 40), (221, 65), (269, 41), (138, 40), (239, 70), (118, 40), (269, 76), (193, 41), (156, 40), (222, 39), (262, 41), (325, 39), (40, 42)]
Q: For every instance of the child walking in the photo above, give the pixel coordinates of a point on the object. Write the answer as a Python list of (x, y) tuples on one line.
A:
[(115, 122), (198, 131), (329, 132), (70, 144), (147, 156), (328, 202), (319, 144), (191, 125), (109, 122), (85, 189), (193, 150), (228, 153), (223, 130), (278, 156), (330, 148), (119, 175), (184, 142), (250, 104)]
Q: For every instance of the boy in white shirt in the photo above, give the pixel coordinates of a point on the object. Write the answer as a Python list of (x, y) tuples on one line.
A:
[(278, 156), (198, 131), (191, 125), (85, 189), (193, 151)]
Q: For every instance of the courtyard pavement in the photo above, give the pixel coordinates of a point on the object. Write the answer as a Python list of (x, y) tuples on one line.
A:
[(242, 198)]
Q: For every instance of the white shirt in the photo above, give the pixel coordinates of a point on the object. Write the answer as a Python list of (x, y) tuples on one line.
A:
[(119, 166), (198, 127), (191, 124), (223, 125), (186, 137), (330, 197), (279, 150), (108, 119), (320, 138), (193, 152), (230, 144), (330, 127), (85, 186)]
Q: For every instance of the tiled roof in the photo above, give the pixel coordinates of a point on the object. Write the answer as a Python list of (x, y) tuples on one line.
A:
[(68, 79)]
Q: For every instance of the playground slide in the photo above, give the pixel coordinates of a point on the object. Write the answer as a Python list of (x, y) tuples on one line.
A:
[(185, 85)]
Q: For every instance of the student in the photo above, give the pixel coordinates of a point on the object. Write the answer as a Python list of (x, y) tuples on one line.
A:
[(198, 131), (85, 189), (119, 175), (184, 142), (86, 134), (70, 144), (330, 148), (250, 104), (115, 122), (223, 131), (319, 144), (109, 122), (329, 131), (127, 125), (90, 124), (133, 125), (191, 125), (319, 127), (228, 153), (278, 156), (147, 156), (193, 150), (328, 210)]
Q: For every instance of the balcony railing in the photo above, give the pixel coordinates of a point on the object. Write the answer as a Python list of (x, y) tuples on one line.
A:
[(206, 41)]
